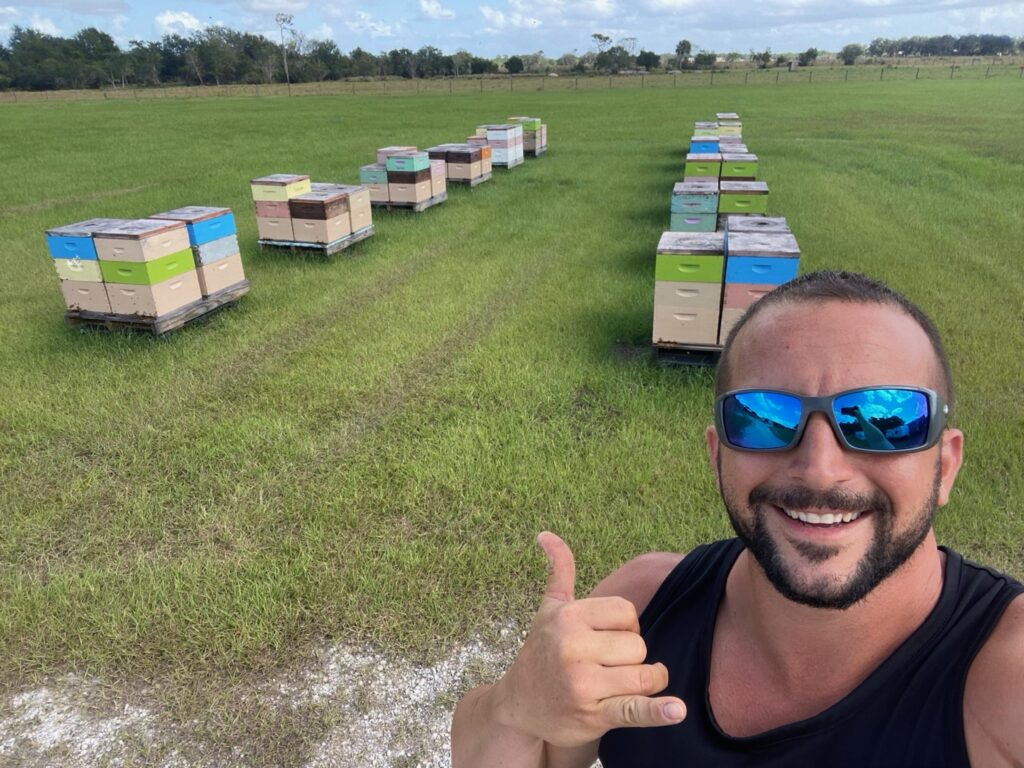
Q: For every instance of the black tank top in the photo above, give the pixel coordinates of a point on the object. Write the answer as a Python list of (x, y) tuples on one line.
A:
[(908, 712)]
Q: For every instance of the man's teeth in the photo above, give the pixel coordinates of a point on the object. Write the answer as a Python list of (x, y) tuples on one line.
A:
[(826, 519)]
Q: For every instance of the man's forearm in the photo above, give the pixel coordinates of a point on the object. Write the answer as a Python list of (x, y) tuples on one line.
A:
[(479, 740)]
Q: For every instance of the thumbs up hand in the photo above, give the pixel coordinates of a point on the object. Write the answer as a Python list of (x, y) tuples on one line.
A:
[(581, 671)]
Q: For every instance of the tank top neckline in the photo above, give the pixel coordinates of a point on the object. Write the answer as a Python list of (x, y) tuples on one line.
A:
[(869, 689)]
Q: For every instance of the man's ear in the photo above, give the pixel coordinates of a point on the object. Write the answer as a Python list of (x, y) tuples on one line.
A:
[(711, 438), (951, 456)]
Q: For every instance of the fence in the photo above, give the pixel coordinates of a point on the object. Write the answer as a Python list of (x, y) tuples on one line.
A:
[(534, 83)]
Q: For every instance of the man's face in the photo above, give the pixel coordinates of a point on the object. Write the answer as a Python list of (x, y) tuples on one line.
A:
[(881, 507)]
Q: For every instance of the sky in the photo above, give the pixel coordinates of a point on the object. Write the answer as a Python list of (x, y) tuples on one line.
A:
[(504, 27)]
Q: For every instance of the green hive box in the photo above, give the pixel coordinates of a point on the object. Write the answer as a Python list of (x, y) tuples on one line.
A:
[(743, 197), (695, 257), (703, 165), (739, 165), (148, 272)]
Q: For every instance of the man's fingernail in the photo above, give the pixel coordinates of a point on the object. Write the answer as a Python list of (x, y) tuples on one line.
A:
[(673, 711)]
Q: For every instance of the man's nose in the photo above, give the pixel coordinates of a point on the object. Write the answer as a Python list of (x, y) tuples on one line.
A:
[(819, 460)]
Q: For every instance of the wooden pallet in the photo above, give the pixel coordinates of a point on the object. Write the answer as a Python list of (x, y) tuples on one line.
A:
[(471, 182), (513, 164), (325, 248), (535, 152), (414, 207), (198, 311), (687, 354)]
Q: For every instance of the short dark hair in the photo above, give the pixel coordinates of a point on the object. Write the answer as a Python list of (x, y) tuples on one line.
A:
[(839, 285)]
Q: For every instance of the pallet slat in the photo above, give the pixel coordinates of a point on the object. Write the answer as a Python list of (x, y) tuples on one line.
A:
[(187, 315), (470, 182), (414, 207), (327, 249)]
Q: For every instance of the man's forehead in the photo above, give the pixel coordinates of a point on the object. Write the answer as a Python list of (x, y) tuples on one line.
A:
[(853, 343)]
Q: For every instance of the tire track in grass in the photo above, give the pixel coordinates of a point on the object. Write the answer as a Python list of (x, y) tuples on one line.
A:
[(262, 354)]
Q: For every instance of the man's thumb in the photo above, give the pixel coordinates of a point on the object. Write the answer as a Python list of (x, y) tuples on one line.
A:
[(643, 712), (561, 567)]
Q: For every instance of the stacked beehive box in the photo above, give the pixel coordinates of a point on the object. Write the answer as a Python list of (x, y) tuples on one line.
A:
[(688, 288), (329, 212), (147, 266), (486, 153), (271, 195), (77, 264), (408, 177), (694, 206), (761, 253), (463, 163), (535, 135), (212, 236), (506, 142)]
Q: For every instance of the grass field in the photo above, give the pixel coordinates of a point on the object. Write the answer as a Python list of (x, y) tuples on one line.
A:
[(366, 447)]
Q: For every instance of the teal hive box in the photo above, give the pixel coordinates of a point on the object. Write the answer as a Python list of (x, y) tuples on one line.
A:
[(694, 197), (408, 161), (376, 173), (693, 222)]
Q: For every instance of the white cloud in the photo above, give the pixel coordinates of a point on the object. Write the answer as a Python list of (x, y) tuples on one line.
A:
[(366, 24), (277, 6), (8, 11), (177, 23), (323, 32), (497, 20), (433, 9), (44, 25)]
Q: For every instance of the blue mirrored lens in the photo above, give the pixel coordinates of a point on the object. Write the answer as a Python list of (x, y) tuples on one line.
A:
[(760, 420), (883, 419)]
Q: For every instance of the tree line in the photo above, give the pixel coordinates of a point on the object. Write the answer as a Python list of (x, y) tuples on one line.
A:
[(33, 60)]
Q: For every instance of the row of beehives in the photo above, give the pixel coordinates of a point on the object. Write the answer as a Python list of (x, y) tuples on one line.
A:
[(146, 267), (708, 274)]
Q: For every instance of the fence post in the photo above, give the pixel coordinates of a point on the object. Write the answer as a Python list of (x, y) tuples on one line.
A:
[(712, 77), (481, 85), (609, 82), (675, 76), (353, 87), (917, 74), (987, 71), (777, 77), (881, 75), (576, 84), (810, 75), (745, 76), (642, 81), (450, 87), (952, 67), (510, 82), (847, 76)]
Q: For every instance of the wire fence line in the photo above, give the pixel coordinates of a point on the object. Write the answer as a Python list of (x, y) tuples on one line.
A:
[(536, 83)]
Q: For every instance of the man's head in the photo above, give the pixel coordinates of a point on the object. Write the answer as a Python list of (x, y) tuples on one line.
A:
[(827, 524)]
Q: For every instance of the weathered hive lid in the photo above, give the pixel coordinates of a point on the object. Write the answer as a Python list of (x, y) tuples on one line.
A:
[(692, 243), (744, 187), (84, 228), (192, 214), (781, 244), (139, 229), (280, 179)]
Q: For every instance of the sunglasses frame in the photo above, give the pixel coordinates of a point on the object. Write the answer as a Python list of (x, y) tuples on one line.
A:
[(938, 411)]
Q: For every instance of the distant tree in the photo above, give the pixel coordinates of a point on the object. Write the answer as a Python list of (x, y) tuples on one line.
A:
[(284, 21), (363, 64), (732, 57), (514, 65), (648, 60), (781, 60), (614, 60), (480, 66), (683, 48), (762, 59), (601, 41), (850, 53), (808, 57), (705, 60), (325, 60), (145, 62), (461, 60)]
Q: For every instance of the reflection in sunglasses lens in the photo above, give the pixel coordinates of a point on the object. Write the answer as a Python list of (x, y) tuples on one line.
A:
[(761, 420), (883, 419)]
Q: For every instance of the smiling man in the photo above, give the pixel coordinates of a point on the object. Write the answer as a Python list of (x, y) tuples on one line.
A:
[(833, 630)]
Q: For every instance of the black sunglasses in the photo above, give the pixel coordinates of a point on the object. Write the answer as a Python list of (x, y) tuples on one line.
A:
[(884, 419)]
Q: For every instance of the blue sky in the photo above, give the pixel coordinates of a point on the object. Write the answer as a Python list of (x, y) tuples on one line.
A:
[(496, 27)]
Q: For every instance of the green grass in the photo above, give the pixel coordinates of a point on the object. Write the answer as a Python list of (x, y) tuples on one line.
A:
[(366, 447)]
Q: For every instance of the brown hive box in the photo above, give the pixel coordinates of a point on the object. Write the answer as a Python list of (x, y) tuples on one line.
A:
[(322, 203), (408, 177)]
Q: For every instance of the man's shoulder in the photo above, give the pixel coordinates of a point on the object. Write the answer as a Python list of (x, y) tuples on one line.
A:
[(638, 579), (994, 696)]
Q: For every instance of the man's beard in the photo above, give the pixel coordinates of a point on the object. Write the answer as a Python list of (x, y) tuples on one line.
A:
[(887, 552)]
